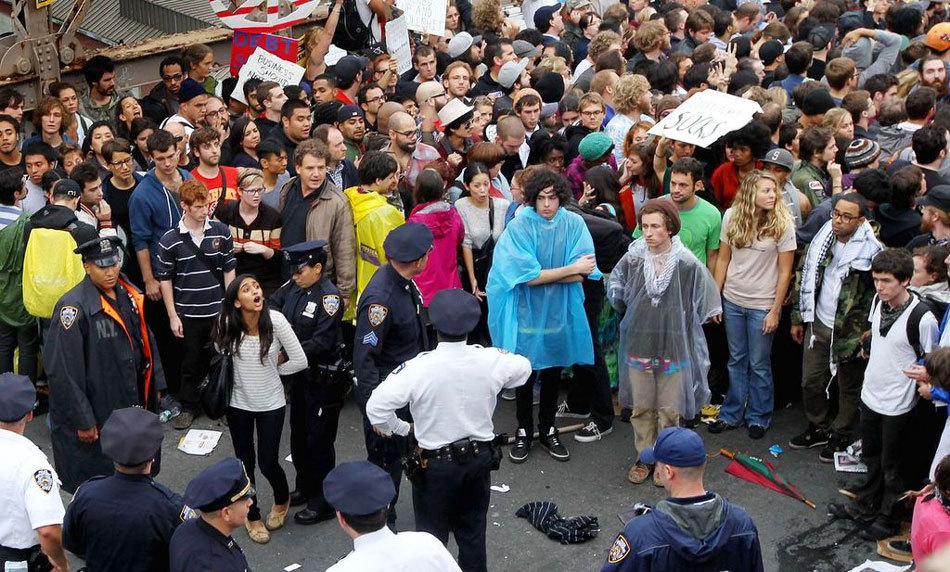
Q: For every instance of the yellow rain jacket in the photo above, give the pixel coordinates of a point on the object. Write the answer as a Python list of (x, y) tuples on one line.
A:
[(373, 218)]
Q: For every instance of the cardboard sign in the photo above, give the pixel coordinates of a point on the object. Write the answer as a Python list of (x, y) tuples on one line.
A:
[(397, 44), (705, 117), (262, 15), (244, 44), (267, 67), (426, 16)]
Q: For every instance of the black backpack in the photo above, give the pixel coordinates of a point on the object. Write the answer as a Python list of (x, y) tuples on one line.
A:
[(351, 33), (927, 304)]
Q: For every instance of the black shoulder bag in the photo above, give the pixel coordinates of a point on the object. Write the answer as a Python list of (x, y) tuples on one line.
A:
[(482, 256)]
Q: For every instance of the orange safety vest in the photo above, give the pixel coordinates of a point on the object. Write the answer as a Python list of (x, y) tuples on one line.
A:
[(138, 301)]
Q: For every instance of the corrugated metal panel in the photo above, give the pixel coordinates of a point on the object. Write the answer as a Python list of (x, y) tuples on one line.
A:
[(104, 22), (168, 17), (196, 9)]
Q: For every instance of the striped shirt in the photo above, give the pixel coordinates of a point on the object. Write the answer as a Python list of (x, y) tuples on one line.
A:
[(9, 214), (257, 385), (197, 291)]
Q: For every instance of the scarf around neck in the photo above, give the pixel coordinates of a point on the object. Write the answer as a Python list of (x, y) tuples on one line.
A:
[(657, 283)]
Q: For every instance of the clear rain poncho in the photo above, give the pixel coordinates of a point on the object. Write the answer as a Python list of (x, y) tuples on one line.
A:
[(547, 323), (664, 300)]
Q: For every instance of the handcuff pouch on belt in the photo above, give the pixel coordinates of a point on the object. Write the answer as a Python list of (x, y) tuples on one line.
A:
[(337, 373)]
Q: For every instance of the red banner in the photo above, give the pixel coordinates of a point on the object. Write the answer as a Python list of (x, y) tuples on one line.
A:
[(244, 44)]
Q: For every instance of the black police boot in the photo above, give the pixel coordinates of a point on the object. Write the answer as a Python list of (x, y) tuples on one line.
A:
[(297, 498), (310, 516)]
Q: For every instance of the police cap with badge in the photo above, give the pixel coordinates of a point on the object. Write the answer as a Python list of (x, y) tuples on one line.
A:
[(305, 254), (17, 397), (102, 251), (454, 312), (219, 486), (358, 488), (408, 242), (131, 436)]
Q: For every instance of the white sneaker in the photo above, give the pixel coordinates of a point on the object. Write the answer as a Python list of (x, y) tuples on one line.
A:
[(508, 394)]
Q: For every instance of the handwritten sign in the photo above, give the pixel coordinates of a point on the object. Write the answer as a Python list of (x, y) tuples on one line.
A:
[(262, 15), (397, 44), (267, 67), (244, 44), (705, 117), (426, 16)]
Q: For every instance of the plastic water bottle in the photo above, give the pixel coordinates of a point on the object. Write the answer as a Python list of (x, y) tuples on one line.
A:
[(170, 409)]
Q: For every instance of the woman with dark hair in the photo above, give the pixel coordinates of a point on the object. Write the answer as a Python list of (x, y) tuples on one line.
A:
[(441, 271), (243, 143), (454, 145), (263, 347), (141, 128), (605, 184), (589, 25), (126, 111), (547, 149), (99, 132), (638, 180), (747, 145), (899, 219), (493, 156)]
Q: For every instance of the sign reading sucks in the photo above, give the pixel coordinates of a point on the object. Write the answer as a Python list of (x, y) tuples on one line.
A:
[(705, 117), (245, 43)]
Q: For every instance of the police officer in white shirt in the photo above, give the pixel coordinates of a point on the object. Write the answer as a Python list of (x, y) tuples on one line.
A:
[(31, 519), (451, 392), (361, 494)]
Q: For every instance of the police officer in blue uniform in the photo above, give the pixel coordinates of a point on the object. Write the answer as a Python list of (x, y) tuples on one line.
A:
[(222, 493), (125, 521), (99, 356), (390, 330), (314, 308)]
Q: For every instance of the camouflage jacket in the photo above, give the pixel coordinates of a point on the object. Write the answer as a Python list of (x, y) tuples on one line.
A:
[(571, 34), (813, 182), (851, 314)]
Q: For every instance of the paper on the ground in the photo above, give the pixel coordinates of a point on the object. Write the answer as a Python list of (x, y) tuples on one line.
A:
[(705, 117), (289, 458), (426, 16), (267, 67), (845, 463), (397, 44), (871, 566), (292, 567), (199, 441), (501, 488)]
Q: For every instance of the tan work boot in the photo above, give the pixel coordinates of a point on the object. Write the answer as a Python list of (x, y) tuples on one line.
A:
[(639, 473), (277, 515), (257, 531)]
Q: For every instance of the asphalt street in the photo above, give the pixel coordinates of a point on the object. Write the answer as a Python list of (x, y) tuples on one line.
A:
[(793, 536)]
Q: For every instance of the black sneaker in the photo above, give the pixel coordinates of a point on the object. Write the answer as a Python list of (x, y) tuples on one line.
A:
[(813, 437), (718, 426), (591, 432), (901, 547), (553, 444), (848, 511), (756, 431), (836, 443), (878, 530), (519, 452)]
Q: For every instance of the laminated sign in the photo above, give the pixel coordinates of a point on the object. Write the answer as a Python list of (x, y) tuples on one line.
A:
[(245, 43), (267, 67), (705, 117), (262, 15)]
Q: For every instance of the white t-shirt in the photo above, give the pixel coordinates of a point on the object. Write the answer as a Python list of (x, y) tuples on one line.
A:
[(887, 390), (35, 198), (366, 13), (830, 289), (29, 491)]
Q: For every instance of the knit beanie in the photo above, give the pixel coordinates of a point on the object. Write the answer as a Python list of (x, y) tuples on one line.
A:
[(861, 153), (551, 87), (667, 208), (818, 102), (595, 145)]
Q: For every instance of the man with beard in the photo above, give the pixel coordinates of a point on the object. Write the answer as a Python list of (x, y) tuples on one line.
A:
[(99, 104), (935, 218), (162, 101), (933, 73), (412, 156), (371, 98), (222, 182), (349, 120)]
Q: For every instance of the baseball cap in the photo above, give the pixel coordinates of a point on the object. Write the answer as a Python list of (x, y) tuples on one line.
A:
[(938, 38), (346, 69), (524, 49), (937, 197), (780, 157), (575, 4), (770, 51), (460, 44), (510, 72), (677, 447), (544, 14), (348, 112)]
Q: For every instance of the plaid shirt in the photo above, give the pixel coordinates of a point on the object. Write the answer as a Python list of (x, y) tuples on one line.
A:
[(422, 156)]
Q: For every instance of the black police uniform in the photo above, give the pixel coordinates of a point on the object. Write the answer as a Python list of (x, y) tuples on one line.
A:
[(125, 522), (316, 394), (197, 546), (389, 331), (99, 356)]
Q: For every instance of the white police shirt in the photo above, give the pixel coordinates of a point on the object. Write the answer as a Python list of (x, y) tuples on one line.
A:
[(29, 492), (451, 392), (403, 552)]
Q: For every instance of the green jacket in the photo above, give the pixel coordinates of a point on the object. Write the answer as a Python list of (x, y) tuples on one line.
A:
[(812, 182), (12, 249), (851, 314)]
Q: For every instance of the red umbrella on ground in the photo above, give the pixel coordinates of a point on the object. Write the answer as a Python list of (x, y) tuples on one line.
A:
[(762, 473)]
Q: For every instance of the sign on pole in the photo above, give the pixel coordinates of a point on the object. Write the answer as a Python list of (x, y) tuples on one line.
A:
[(244, 44), (705, 117), (397, 44), (426, 16), (267, 67)]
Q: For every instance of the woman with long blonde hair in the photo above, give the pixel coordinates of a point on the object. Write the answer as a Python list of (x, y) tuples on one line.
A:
[(757, 249)]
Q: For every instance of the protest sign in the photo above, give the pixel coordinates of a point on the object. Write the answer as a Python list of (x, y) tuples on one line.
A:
[(705, 117), (262, 15), (397, 44), (426, 16), (244, 44), (267, 67)]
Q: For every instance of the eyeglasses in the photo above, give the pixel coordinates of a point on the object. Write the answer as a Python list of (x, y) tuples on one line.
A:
[(176, 77), (379, 98), (123, 162), (406, 133), (594, 113), (179, 138), (223, 111), (438, 95), (844, 217), (254, 191)]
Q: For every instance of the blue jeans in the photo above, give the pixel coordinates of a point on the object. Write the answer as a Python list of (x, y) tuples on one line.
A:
[(750, 395)]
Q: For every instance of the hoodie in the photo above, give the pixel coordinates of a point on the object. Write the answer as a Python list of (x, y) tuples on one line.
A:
[(153, 211), (373, 218), (442, 269), (157, 105), (898, 226), (699, 533)]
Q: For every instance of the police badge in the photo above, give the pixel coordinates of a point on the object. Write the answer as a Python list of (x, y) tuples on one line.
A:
[(67, 316), (377, 313), (44, 480), (331, 303), (618, 550)]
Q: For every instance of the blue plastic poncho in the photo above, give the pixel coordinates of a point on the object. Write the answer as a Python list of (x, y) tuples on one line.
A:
[(545, 323)]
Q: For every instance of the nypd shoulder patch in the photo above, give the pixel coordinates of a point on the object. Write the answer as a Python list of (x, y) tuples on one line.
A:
[(67, 316), (377, 313), (44, 479), (187, 512), (370, 339), (331, 303), (618, 550)]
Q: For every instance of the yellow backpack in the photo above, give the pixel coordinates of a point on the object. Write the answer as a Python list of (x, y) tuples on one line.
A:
[(50, 269)]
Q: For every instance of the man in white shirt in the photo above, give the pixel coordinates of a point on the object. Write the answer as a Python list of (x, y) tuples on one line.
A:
[(32, 517), (361, 494), (889, 400), (192, 99), (451, 392)]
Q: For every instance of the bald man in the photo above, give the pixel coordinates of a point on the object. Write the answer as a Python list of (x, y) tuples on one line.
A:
[(410, 153), (511, 136)]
